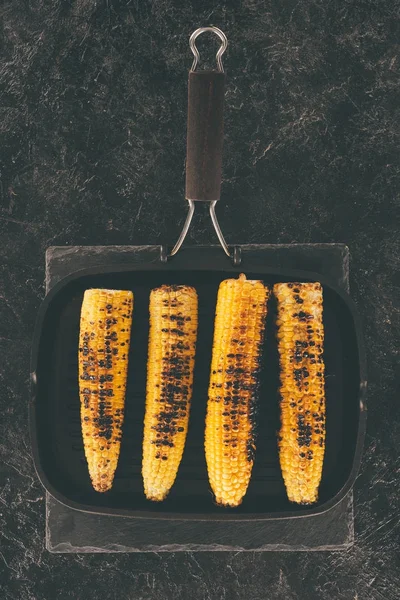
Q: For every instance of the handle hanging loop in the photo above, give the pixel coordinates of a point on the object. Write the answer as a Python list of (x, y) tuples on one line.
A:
[(221, 50)]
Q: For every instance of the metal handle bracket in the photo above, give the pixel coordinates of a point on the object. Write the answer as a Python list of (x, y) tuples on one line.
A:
[(235, 255)]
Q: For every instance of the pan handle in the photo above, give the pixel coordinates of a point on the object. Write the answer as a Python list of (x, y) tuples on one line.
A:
[(205, 133)]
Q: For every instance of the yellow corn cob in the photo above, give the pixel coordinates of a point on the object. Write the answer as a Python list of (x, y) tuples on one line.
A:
[(172, 346), (300, 344), (105, 327), (230, 436)]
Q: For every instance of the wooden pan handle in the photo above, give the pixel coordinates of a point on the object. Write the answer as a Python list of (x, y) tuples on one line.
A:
[(204, 135)]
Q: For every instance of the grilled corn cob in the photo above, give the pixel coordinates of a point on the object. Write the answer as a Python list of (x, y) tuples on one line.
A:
[(172, 345), (234, 381), (300, 343), (105, 326)]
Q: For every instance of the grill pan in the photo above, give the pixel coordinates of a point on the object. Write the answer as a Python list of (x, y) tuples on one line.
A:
[(55, 407)]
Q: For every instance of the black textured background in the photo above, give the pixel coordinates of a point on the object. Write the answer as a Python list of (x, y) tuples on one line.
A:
[(93, 110)]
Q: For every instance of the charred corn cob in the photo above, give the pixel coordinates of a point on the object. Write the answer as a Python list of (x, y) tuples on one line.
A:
[(230, 434), (105, 327), (300, 343), (172, 345)]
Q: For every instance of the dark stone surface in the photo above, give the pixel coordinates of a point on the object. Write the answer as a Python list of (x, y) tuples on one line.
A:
[(68, 530), (93, 119), (72, 531)]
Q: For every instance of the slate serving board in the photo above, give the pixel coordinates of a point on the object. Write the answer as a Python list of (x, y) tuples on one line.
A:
[(69, 530)]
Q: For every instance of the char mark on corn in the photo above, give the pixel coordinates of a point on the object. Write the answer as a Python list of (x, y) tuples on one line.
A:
[(104, 338), (230, 440), (171, 357), (300, 342)]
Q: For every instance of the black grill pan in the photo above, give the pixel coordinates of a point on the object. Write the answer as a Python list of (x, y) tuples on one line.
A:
[(54, 409), (55, 421)]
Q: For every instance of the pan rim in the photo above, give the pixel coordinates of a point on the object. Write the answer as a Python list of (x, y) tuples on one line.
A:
[(143, 514)]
